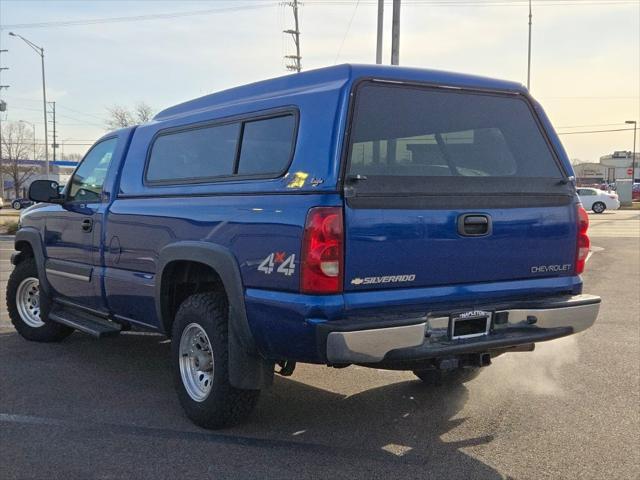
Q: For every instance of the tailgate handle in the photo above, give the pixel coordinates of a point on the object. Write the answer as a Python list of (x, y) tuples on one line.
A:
[(474, 225)]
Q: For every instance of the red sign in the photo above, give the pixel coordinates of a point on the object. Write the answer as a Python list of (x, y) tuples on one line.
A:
[(629, 171)]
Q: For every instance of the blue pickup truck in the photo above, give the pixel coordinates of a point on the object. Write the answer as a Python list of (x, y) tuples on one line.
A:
[(388, 217)]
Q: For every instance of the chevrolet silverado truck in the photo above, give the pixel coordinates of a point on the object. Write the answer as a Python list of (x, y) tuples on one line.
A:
[(387, 217)]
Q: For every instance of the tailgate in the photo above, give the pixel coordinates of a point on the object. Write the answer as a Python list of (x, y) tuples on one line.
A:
[(450, 187)]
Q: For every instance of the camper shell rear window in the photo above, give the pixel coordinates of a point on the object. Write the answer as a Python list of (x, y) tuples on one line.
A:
[(429, 140)]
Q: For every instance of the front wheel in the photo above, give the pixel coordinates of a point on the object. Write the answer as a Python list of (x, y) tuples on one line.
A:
[(200, 358), (24, 306), (598, 207), (436, 377), (16, 205)]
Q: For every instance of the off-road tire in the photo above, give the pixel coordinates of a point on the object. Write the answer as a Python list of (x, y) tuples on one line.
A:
[(48, 331), (598, 207), (225, 405), (435, 377)]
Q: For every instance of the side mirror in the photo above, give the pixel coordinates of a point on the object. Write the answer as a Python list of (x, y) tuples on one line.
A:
[(45, 191)]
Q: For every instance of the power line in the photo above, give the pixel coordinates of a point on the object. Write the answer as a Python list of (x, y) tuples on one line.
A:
[(501, 3), (592, 125), (592, 97), (133, 18), (66, 144), (23, 98), (433, 3), (597, 131), (482, 2), (84, 122), (81, 113), (346, 32)]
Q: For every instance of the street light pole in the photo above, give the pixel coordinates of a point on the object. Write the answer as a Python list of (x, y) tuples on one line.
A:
[(529, 53), (633, 158), (380, 30), (395, 33), (40, 51)]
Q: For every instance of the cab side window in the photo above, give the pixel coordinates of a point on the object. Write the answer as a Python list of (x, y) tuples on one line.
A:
[(86, 183)]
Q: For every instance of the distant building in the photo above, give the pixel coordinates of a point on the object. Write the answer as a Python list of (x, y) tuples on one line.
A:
[(590, 173), (618, 165), (612, 167), (60, 171)]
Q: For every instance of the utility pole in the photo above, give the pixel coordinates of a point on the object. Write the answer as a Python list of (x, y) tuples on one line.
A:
[(54, 145), (380, 30), (395, 34), (633, 153), (295, 34), (3, 108), (376, 144), (529, 55)]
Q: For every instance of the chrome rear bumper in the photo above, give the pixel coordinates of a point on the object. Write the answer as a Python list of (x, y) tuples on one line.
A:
[(427, 337)]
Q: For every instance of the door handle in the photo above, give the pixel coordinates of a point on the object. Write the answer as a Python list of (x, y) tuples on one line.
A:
[(474, 225), (87, 225)]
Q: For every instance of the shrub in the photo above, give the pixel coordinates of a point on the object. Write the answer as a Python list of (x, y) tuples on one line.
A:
[(11, 228)]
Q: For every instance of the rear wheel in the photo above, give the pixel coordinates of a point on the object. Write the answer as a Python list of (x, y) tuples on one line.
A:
[(24, 303), (437, 377), (16, 205), (201, 364), (598, 207)]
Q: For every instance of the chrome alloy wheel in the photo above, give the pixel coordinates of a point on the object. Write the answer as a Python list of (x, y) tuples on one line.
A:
[(196, 362), (28, 302)]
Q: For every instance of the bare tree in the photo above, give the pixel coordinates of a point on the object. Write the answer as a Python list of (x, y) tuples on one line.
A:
[(143, 112), (17, 146), (121, 117)]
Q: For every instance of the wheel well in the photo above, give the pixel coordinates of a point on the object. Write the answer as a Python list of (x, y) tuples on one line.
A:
[(181, 279), (26, 251)]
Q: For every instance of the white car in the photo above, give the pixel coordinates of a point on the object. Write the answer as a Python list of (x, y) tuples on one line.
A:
[(598, 200)]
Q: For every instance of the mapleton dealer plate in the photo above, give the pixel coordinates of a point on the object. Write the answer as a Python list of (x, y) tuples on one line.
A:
[(474, 323)]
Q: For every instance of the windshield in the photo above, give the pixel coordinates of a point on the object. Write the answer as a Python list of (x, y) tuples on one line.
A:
[(408, 134)]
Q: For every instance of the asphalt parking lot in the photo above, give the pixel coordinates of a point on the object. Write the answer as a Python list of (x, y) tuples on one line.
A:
[(571, 409)]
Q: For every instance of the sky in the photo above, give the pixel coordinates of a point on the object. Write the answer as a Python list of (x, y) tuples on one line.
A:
[(585, 55)]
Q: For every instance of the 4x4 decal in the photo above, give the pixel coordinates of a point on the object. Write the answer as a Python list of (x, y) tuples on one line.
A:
[(287, 266)]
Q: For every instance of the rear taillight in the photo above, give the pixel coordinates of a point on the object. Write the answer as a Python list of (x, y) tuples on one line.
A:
[(583, 242), (322, 251), (613, 196)]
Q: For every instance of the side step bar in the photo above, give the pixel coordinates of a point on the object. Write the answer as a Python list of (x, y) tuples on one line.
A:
[(85, 322)]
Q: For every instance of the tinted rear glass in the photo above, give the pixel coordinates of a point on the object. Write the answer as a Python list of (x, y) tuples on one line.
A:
[(420, 132), (192, 154), (266, 145)]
